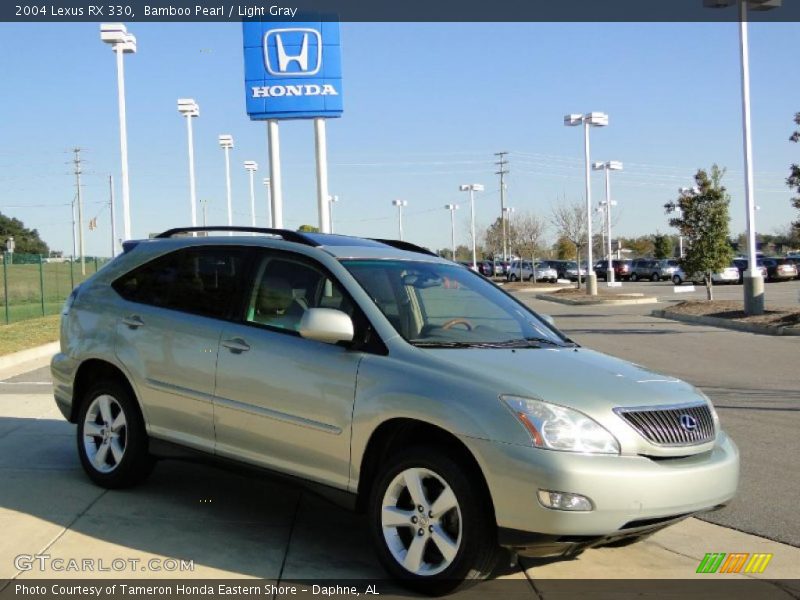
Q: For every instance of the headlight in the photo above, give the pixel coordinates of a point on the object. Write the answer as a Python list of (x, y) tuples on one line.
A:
[(559, 428)]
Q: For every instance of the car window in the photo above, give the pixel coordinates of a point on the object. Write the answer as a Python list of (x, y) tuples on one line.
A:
[(439, 304), (203, 281), (285, 288)]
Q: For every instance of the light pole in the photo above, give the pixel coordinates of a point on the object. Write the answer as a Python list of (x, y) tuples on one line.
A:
[(269, 201), (204, 204), (592, 119), (122, 43), (452, 208), (251, 167), (226, 143), (753, 281), (400, 204), (508, 211), (608, 166), (332, 200), (189, 109), (472, 188)]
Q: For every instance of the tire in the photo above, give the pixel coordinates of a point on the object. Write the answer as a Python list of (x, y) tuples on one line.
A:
[(512, 278), (677, 280), (125, 459), (634, 277), (467, 528), (655, 277)]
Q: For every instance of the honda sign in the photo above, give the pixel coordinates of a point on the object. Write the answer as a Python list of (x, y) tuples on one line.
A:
[(292, 70)]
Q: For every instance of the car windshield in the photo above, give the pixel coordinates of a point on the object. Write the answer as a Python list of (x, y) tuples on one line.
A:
[(443, 305)]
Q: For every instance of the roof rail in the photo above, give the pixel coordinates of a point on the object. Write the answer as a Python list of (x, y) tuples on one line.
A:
[(285, 234), (407, 246)]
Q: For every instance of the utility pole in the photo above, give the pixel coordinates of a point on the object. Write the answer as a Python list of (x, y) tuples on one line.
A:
[(501, 163), (204, 204), (77, 162), (113, 223)]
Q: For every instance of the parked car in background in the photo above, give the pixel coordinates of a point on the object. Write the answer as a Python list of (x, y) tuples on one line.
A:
[(622, 269), (571, 271), (779, 269), (795, 260), (523, 270), (741, 265), (728, 275), (653, 269)]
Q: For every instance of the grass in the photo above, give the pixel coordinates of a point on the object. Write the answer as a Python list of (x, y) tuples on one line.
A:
[(28, 334)]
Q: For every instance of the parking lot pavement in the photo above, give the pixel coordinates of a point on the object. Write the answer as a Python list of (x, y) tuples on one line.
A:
[(752, 380), (779, 293), (232, 526)]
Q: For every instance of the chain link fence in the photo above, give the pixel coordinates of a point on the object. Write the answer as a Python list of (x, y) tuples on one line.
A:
[(36, 286)]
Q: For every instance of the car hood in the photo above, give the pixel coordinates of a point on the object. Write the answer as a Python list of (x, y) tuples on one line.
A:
[(580, 378)]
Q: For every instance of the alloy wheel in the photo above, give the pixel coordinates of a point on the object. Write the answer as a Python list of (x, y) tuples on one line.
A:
[(421, 521), (105, 433)]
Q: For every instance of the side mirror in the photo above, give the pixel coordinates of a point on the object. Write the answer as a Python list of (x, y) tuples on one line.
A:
[(326, 325), (549, 319)]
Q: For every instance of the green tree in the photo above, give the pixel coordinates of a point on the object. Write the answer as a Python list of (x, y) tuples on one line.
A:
[(793, 181), (26, 241), (308, 229), (662, 246), (564, 249), (704, 224)]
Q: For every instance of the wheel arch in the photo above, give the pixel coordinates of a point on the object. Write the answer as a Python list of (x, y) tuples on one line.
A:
[(92, 370), (395, 433)]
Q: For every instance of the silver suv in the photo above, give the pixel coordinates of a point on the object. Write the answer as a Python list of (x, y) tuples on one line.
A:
[(395, 382)]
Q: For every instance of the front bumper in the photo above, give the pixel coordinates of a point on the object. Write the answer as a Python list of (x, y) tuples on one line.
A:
[(626, 491), (62, 370)]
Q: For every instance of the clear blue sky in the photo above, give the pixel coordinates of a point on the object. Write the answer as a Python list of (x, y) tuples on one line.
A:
[(426, 105)]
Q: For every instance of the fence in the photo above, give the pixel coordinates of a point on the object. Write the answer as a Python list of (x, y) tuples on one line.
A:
[(36, 286)]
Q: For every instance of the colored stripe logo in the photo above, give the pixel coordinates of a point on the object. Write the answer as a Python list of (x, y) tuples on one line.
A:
[(735, 562)]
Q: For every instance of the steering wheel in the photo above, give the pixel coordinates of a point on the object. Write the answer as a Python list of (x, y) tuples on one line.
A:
[(454, 322)]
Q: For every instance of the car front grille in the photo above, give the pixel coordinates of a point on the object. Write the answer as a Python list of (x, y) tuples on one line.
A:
[(672, 425)]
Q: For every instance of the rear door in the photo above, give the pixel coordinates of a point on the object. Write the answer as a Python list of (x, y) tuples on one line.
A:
[(282, 401), (167, 337)]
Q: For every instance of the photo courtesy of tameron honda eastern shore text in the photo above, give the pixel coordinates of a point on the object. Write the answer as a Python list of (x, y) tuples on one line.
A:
[(408, 387)]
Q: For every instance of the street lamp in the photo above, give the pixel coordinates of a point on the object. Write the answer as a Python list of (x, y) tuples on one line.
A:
[(608, 166), (267, 184), (592, 119), (10, 246), (472, 188), (331, 200), (452, 208), (226, 143), (189, 109), (122, 43), (753, 281), (251, 167), (400, 204)]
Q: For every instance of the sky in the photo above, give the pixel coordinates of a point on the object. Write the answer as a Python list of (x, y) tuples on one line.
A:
[(426, 106)]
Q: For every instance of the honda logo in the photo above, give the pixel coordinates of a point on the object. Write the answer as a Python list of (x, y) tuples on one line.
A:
[(293, 52)]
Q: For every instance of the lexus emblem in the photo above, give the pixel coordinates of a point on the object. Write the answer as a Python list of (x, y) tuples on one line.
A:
[(688, 422)]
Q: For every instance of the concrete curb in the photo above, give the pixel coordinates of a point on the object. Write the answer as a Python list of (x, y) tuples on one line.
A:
[(597, 301), (728, 323), (27, 360), (536, 289)]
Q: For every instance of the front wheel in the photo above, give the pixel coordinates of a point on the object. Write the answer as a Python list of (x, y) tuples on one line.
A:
[(432, 529), (634, 277), (676, 279), (112, 440), (655, 277), (512, 278)]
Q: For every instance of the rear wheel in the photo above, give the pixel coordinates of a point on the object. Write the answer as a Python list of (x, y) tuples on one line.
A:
[(432, 531), (512, 277), (676, 279), (112, 441), (634, 277), (655, 277)]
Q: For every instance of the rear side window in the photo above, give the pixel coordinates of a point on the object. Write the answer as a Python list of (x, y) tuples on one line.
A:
[(203, 281)]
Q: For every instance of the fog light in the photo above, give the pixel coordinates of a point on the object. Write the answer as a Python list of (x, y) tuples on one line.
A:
[(564, 501)]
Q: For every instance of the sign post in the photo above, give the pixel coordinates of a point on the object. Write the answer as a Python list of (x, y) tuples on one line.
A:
[(293, 71)]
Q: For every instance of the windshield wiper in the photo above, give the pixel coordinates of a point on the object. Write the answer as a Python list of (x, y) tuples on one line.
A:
[(424, 344), (543, 340)]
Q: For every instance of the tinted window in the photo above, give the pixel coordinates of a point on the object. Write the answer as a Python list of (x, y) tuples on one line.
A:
[(203, 281)]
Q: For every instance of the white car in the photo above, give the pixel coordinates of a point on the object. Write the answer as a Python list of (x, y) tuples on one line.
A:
[(726, 275)]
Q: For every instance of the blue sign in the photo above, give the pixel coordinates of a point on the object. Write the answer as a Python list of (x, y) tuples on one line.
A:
[(292, 70)]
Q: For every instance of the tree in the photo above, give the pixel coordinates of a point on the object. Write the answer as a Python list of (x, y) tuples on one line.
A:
[(640, 246), (793, 181), (662, 246), (26, 241), (493, 238), (570, 222), (564, 249), (308, 229), (528, 231), (704, 225)]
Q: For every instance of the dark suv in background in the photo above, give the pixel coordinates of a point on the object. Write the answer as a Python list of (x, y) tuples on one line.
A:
[(622, 269)]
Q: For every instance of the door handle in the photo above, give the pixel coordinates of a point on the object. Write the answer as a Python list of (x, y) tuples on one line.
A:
[(236, 345), (133, 321)]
